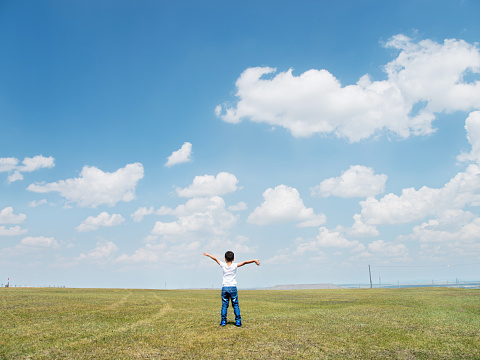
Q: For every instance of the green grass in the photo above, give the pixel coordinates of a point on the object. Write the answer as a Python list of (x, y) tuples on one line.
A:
[(434, 323)]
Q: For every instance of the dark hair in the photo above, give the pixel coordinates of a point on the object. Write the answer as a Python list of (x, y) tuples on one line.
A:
[(229, 256)]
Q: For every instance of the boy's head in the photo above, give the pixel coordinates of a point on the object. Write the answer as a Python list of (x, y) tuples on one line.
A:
[(229, 256)]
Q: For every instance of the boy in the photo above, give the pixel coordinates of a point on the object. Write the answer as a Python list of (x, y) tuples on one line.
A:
[(229, 285)]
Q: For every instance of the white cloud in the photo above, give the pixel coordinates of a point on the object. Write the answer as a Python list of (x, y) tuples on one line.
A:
[(361, 229), (240, 245), (183, 155), (200, 216), (150, 239), (36, 163), (15, 176), (397, 252), (12, 231), (164, 210), (141, 212), (472, 125), (8, 164), (35, 203), (172, 228), (316, 102), (357, 181), (209, 185), (283, 204), (452, 226), (184, 251), (101, 252), (414, 205), (148, 254), (28, 165), (238, 207), (94, 187), (39, 241), (416, 73), (452, 235), (328, 239), (8, 217), (103, 219)]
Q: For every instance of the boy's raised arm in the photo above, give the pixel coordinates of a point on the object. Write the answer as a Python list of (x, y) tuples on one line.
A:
[(212, 257), (256, 261)]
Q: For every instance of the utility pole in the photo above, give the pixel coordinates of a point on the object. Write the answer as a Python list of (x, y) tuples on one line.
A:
[(370, 273)]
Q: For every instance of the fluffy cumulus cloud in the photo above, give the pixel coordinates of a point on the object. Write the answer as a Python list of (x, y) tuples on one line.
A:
[(29, 164), (94, 187), (103, 219), (8, 164), (414, 205), (405, 103), (199, 216), (330, 246), (283, 204), (452, 235), (183, 155), (8, 217), (416, 73), (357, 181), (209, 185), (472, 126)]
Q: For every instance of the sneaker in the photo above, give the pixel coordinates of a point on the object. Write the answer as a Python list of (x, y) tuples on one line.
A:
[(238, 323), (223, 323)]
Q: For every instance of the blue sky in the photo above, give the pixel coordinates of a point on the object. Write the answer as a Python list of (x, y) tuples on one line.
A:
[(319, 137)]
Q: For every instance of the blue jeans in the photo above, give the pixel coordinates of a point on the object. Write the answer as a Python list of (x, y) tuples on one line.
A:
[(230, 292)]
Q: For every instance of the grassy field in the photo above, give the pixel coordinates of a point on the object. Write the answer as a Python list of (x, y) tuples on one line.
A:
[(433, 323)]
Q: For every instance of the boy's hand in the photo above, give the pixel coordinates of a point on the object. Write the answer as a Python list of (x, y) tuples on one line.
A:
[(256, 261), (212, 257)]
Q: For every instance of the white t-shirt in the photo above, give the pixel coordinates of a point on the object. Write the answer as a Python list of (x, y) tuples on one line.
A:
[(229, 274)]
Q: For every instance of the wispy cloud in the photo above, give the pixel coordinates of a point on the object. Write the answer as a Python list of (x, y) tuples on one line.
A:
[(39, 241)]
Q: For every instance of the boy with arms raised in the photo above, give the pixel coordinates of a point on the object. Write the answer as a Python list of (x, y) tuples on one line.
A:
[(229, 285)]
